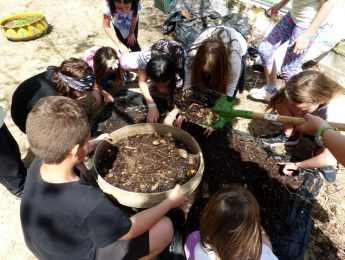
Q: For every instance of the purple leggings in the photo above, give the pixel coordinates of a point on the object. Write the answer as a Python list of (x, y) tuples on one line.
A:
[(285, 30)]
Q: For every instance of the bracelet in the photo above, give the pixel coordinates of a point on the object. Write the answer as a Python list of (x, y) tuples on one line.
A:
[(318, 136), (151, 105)]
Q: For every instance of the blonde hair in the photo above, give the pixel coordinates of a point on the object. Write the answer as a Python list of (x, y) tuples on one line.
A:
[(212, 55), (230, 224), (309, 87)]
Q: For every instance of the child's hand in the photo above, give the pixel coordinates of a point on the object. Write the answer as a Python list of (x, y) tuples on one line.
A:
[(107, 97), (208, 131), (152, 115), (289, 168), (131, 39), (102, 137), (300, 43), (271, 12), (123, 49), (179, 121), (175, 197), (169, 119)]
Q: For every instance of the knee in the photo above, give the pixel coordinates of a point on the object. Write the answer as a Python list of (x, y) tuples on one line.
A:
[(161, 234), (265, 48)]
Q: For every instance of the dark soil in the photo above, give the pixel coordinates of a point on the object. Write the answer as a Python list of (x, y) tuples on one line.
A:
[(150, 163), (195, 103)]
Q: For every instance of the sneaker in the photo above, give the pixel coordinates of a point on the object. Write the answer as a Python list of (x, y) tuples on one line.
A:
[(329, 173), (280, 138), (262, 93)]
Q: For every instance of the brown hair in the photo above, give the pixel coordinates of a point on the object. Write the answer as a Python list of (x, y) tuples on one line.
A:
[(54, 126), (100, 61), (74, 68), (308, 87), (212, 55), (230, 224)]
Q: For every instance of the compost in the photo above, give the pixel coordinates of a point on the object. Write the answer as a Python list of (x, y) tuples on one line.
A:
[(147, 163)]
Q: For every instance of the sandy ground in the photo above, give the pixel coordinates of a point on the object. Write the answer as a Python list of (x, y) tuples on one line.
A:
[(76, 26)]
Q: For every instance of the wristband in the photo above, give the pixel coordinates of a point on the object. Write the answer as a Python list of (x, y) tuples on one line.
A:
[(151, 105), (318, 136)]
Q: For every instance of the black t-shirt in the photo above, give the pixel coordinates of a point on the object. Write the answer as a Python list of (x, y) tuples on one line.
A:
[(69, 220), (28, 93)]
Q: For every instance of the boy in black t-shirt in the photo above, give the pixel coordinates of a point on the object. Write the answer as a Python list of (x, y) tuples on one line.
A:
[(65, 218)]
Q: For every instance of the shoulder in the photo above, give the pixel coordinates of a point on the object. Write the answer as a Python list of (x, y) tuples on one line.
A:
[(334, 107), (201, 254), (106, 8), (144, 56), (267, 253)]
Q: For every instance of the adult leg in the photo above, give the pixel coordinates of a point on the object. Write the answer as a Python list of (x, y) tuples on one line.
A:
[(12, 170), (292, 60)]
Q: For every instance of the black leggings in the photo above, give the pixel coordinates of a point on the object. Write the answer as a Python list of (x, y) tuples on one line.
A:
[(135, 46), (12, 170)]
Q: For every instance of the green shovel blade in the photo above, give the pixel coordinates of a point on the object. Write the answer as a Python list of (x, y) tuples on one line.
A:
[(224, 108)]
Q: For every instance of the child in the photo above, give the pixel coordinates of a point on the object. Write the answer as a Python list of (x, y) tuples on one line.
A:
[(105, 64), (12, 170), (230, 229), (162, 63), (217, 61), (300, 27), (74, 79), (307, 92), (123, 14), (65, 218)]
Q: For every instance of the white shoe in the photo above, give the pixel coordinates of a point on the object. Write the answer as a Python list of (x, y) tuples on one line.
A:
[(261, 93)]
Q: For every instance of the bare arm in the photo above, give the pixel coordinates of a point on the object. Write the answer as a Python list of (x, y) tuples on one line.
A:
[(153, 113), (131, 36), (142, 81), (144, 220), (302, 42), (332, 140), (119, 46), (320, 17)]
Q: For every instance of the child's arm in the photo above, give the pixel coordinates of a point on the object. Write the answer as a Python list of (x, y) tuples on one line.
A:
[(302, 41), (131, 37), (332, 140), (323, 159), (96, 95), (144, 220), (153, 113), (119, 46), (108, 98)]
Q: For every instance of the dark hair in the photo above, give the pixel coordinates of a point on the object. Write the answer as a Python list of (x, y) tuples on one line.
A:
[(54, 126), (100, 63), (72, 67), (308, 87), (230, 224), (212, 55), (167, 61), (134, 6)]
